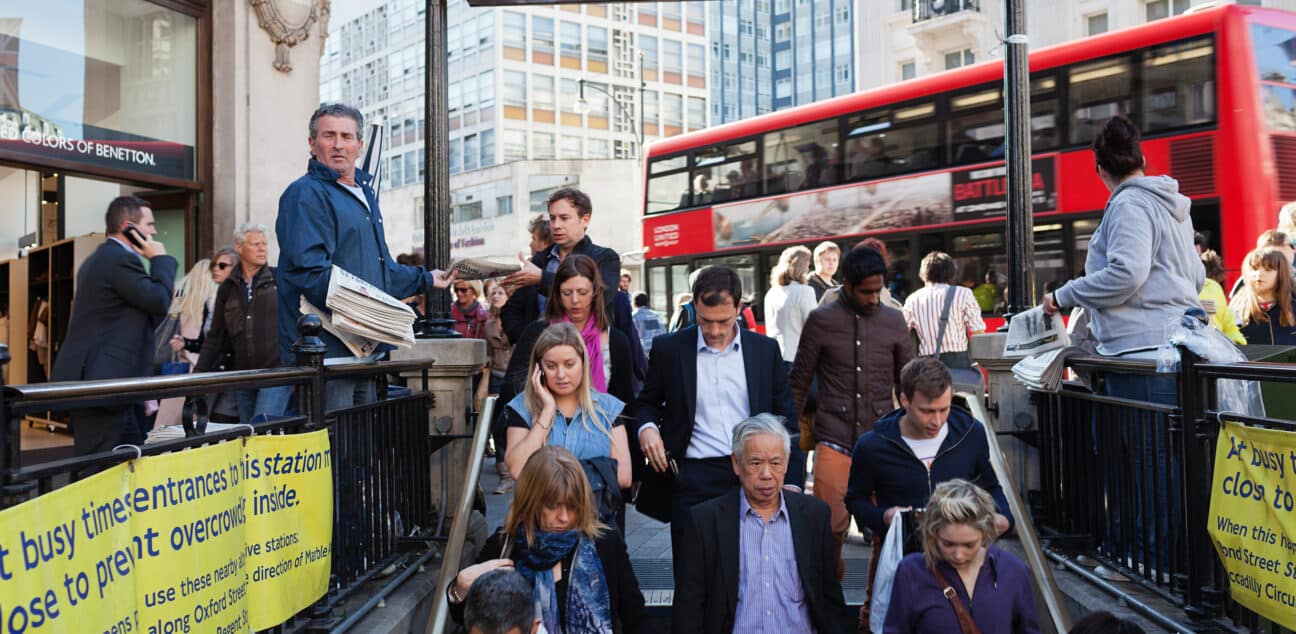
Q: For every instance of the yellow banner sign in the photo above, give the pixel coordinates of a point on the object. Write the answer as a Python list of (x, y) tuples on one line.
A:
[(1252, 521), (175, 543)]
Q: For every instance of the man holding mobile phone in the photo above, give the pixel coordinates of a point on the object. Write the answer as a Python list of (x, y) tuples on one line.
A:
[(114, 311)]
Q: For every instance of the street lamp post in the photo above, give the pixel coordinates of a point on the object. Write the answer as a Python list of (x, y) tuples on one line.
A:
[(583, 106)]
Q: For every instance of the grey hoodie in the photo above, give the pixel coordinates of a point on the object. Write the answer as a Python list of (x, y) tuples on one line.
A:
[(1141, 270)]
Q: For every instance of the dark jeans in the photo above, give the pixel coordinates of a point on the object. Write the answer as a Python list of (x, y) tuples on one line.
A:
[(699, 480), (499, 431), (1148, 466)]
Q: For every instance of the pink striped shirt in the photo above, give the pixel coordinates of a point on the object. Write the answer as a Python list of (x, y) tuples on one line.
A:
[(922, 311)]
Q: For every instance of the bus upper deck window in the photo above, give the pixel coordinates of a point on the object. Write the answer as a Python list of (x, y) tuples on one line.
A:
[(1098, 91), (1179, 85)]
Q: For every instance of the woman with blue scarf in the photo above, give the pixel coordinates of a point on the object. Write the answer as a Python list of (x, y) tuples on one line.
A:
[(579, 570)]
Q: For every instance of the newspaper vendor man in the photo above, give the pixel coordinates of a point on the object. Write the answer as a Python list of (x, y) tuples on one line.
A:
[(330, 217)]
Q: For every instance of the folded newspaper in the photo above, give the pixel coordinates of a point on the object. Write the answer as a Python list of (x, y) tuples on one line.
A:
[(361, 309), (1045, 371), (1032, 332), (482, 268), (359, 346)]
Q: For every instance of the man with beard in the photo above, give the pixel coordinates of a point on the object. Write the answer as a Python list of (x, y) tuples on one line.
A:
[(855, 347)]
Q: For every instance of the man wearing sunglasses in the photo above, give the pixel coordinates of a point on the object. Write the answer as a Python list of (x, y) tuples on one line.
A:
[(245, 323)]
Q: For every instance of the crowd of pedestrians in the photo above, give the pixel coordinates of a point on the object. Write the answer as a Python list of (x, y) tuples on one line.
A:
[(706, 424)]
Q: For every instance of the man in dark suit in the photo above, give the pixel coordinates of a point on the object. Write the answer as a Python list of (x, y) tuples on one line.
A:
[(759, 558), (702, 381), (114, 312)]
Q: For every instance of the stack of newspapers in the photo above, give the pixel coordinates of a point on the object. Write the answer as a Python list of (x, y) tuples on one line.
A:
[(362, 316), (1046, 340)]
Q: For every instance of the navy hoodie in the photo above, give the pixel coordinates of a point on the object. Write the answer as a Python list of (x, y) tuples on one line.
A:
[(884, 465)]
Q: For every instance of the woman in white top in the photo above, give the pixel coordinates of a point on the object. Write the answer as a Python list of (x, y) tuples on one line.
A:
[(789, 300), (923, 308)]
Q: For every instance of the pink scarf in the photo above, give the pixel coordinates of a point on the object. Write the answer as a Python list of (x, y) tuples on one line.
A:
[(593, 351)]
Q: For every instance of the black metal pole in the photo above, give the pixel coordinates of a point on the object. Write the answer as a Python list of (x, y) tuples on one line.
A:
[(436, 173), (1021, 221)]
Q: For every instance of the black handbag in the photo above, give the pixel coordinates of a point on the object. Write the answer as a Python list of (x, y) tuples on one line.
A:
[(656, 490)]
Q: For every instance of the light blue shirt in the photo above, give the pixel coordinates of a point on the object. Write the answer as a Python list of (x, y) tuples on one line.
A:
[(770, 596), (721, 398)]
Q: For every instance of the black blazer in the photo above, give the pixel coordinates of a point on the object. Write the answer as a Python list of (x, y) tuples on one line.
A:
[(623, 587), (114, 311), (707, 599), (517, 313), (669, 394)]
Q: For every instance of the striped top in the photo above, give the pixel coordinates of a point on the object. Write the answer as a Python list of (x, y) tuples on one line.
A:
[(770, 597), (922, 311)]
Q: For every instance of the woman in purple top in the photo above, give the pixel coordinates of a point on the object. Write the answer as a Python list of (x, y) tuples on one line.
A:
[(991, 585)]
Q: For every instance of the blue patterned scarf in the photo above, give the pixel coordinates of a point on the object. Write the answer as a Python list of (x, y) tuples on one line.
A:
[(588, 610)]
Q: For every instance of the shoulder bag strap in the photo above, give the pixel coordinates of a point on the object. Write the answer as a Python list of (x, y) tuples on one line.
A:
[(965, 620), (944, 320)]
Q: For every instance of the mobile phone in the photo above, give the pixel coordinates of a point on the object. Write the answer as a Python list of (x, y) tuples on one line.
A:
[(135, 236)]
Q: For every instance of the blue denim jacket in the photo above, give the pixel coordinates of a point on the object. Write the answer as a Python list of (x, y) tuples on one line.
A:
[(320, 224)]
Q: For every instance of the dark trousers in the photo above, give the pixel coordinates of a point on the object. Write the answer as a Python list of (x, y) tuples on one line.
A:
[(99, 429), (699, 480)]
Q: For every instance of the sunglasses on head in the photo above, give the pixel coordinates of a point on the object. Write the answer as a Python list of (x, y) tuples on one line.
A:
[(222, 265)]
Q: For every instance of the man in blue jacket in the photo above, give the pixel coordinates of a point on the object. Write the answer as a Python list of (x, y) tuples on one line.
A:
[(330, 216), (916, 447)]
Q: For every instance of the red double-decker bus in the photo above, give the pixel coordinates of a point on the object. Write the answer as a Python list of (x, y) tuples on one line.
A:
[(919, 164)]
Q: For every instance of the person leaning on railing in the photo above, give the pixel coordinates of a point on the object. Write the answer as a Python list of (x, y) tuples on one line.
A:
[(579, 569), (1141, 270)]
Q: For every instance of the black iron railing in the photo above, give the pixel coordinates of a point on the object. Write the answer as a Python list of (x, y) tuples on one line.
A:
[(384, 508), (924, 10), (1128, 482)]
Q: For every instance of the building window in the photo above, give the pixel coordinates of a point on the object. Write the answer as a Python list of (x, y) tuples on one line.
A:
[(906, 5), (485, 30), (486, 90), (542, 145), (697, 60), (959, 58), (648, 46), (598, 148), (456, 158), (468, 211), (783, 59), (908, 71), (696, 113), (843, 14), (782, 32), (515, 88), (542, 92), (843, 73), (673, 110), (1096, 23), (514, 145), (571, 39), (471, 151), (672, 56), (1157, 9), (782, 88), (487, 148), (514, 29), (542, 34), (570, 148), (504, 206), (650, 107), (598, 43), (568, 94), (396, 175)]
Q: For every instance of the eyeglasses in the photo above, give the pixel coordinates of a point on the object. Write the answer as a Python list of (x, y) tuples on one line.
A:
[(460, 289), (223, 265)]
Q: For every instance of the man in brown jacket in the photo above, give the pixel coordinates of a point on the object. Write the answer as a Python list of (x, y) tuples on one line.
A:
[(856, 347)]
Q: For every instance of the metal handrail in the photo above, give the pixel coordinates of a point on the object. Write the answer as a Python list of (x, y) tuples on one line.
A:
[(46, 395), (459, 527), (1042, 573)]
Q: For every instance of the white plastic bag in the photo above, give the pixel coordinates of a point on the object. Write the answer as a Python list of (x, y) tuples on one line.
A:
[(888, 561)]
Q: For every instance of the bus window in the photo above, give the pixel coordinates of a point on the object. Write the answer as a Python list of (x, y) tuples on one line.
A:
[(976, 128), (658, 294), (1279, 107), (726, 172), (679, 282), (1051, 267), (745, 267), (1179, 85), (667, 192), (1275, 53), (1099, 91), (883, 143), (801, 158)]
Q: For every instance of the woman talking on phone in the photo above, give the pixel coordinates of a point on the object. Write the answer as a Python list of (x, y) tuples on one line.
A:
[(558, 408)]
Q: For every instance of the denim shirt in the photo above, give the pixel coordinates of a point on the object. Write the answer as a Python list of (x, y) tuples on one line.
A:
[(320, 224), (579, 436)]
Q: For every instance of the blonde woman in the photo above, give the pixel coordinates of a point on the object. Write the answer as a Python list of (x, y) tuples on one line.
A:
[(961, 576), (560, 408), (193, 303), (789, 300)]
